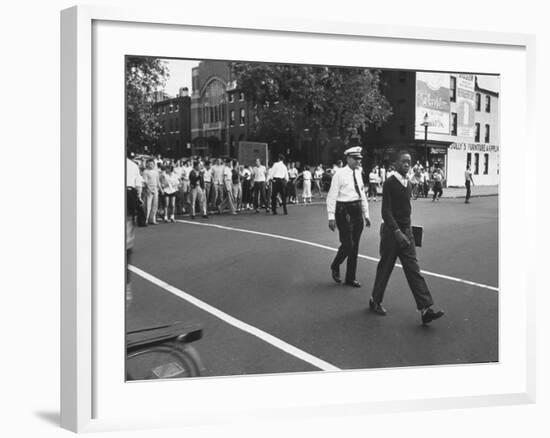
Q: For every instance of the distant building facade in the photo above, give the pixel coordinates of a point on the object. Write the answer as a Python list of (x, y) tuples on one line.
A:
[(174, 119), (220, 114), (462, 119)]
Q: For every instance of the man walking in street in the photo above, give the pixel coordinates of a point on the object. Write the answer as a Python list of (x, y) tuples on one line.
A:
[(280, 180), (438, 178), (469, 180), (396, 240), (348, 209)]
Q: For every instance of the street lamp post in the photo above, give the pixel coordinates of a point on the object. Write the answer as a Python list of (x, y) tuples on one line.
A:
[(425, 123)]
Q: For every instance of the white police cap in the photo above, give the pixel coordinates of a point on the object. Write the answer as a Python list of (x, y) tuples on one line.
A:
[(355, 152)]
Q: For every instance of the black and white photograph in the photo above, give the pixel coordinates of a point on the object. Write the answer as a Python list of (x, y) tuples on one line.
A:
[(297, 218)]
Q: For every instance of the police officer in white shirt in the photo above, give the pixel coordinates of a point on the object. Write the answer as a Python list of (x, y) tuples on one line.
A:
[(280, 179), (348, 209)]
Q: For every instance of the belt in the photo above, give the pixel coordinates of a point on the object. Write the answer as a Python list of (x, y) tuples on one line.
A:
[(348, 202)]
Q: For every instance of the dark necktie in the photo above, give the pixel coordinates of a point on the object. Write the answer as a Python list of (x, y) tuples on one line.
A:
[(355, 184)]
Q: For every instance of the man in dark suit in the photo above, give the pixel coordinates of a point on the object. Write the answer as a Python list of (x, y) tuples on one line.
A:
[(396, 240)]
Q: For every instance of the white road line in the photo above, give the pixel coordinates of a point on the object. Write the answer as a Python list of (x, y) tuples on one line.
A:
[(276, 342), (317, 245)]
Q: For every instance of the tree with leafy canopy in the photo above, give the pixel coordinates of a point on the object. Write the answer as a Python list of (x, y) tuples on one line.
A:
[(144, 76), (317, 101)]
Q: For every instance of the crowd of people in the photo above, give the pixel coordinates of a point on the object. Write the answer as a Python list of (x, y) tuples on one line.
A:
[(202, 185), (422, 179)]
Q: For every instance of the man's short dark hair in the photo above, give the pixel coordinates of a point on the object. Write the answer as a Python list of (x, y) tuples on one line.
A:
[(401, 153), (281, 157)]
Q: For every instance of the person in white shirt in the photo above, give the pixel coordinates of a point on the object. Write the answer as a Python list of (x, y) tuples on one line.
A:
[(133, 192), (152, 183), (317, 176), (292, 175), (169, 183), (184, 189), (258, 178), (207, 178), (217, 183), (279, 177), (306, 191), (438, 178), (227, 189), (348, 210), (469, 181), (373, 183)]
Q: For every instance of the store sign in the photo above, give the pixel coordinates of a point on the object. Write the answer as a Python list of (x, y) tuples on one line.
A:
[(474, 147), (465, 96), (438, 151), (433, 98)]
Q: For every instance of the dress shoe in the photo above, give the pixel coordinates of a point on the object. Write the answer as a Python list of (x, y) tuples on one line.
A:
[(353, 283), (428, 315), (336, 275), (377, 308)]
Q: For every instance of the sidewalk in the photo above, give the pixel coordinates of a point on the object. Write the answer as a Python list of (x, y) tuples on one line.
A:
[(477, 191)]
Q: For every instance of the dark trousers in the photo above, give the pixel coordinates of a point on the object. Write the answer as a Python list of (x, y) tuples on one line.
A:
[(350, 223), (259, 195), (373, 189), (438, 190), (278, 187), (389, 251), (468, 190), (292, 188)]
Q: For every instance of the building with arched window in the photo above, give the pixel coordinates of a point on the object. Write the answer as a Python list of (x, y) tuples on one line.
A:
[(220, 115)]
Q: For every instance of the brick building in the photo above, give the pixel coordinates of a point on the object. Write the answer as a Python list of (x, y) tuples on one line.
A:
[(220, 114), (462, 116), (174, 118)]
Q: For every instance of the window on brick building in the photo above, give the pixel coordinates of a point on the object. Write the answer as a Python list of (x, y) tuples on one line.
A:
[(242, 117), (478, 102), (453, 89), (454, 122), (487, 104), (477, 133), (476, 164), (232, 118), (487, 133), (485, 164)]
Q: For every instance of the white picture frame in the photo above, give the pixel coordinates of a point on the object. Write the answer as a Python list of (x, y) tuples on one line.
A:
[(86, 357)]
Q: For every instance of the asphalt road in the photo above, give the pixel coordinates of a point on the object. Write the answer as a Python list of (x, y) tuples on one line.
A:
[(267, 303)]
